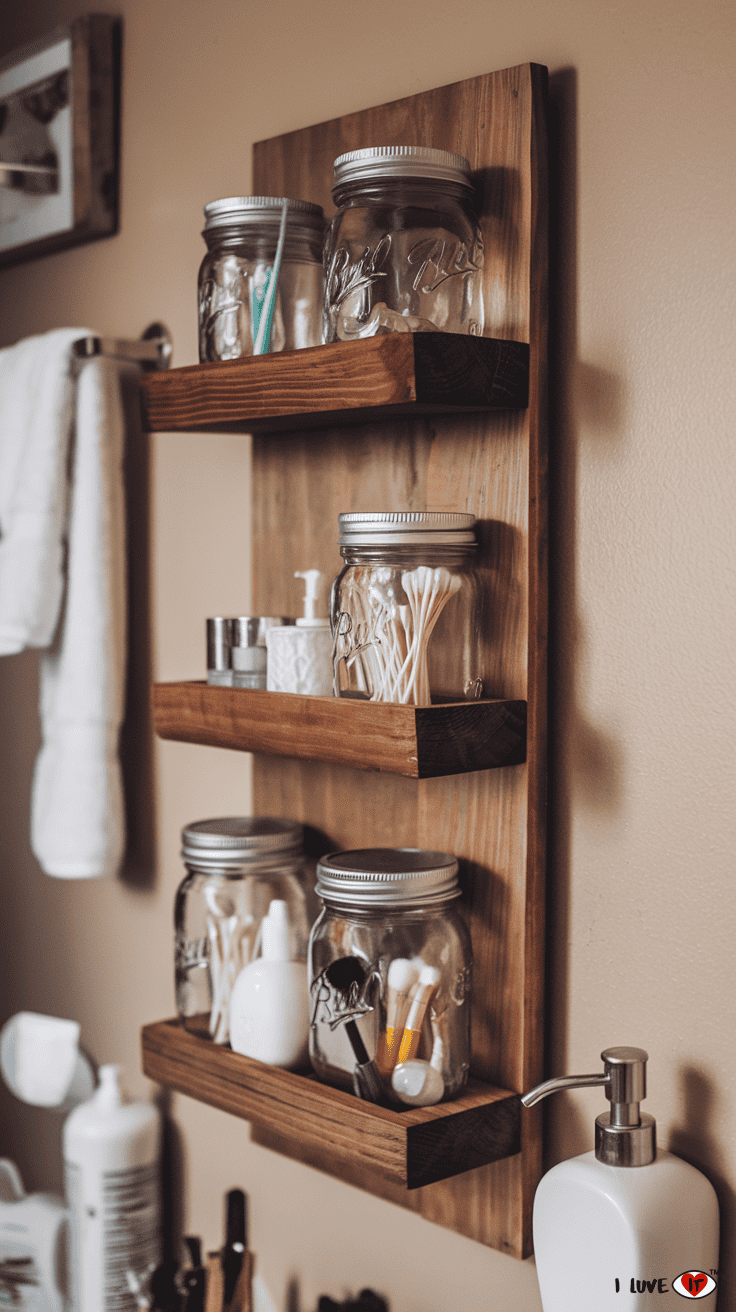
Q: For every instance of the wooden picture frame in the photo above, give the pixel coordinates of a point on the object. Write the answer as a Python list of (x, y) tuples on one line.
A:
[(60, 109)]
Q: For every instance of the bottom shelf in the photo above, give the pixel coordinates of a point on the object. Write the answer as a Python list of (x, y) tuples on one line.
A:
[(415, 1147)]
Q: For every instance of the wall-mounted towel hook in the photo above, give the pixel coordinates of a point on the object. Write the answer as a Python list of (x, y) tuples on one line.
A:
[(153, 350)]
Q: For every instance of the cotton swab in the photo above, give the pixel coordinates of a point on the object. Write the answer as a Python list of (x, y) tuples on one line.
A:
[(263, 336)]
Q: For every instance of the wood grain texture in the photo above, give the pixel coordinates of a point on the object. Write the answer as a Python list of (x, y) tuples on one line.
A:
[(410, 1148), (493, 465), (419, 741), (342, 382)]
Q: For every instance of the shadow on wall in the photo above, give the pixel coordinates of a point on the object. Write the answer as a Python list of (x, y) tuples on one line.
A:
[(585, 764), (701, 1150)]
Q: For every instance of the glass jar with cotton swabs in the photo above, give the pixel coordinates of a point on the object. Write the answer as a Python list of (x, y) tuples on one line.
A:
[(409, 617), (389, 976), (236, 867)]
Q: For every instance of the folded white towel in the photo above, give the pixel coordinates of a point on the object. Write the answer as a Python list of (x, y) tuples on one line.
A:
[(62, 587), (36, 408), (77, 820)]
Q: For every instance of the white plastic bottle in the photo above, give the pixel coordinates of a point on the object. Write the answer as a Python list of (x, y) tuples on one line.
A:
[(111, 1154), (299, 656), (269, 1001), (628, 1226)]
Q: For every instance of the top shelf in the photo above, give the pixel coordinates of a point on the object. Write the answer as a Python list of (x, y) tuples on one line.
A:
[(345, 382)]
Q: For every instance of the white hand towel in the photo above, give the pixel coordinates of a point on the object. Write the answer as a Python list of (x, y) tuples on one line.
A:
[(36, 409), (77, 820)]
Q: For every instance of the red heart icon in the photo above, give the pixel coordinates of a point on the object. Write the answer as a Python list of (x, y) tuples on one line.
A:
[(693, 1282)]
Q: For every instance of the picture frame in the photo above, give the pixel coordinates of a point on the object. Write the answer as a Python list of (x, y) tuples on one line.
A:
[(59, 139)]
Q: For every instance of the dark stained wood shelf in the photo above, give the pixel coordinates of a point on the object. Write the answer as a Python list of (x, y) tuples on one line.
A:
[(345, 382), (422, 742), (411, 1148)]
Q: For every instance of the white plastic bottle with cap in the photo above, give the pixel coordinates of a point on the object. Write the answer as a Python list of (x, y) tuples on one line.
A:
[(269, 1001), (299, 657), (111, 1153)]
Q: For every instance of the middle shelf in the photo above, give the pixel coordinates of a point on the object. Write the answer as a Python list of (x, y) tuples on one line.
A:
[(411, 1148), (421, 742)]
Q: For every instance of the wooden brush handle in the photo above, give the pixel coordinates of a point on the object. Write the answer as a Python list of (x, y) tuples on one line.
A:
[(242, 1299)]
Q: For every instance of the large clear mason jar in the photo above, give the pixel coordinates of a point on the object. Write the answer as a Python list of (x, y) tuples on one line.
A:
[(409, 609), (390, 967), (235, 867), (404, 252), (241, 233)]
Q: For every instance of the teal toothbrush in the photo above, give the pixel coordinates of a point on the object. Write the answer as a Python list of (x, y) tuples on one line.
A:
[(264, 318)]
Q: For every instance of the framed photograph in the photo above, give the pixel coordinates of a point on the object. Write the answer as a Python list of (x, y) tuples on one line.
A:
[(59, 139)]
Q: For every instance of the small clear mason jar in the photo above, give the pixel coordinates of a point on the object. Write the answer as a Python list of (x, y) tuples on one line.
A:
[(235, 867), (409, 609), (404, 252), (390, 967), (241, 233)]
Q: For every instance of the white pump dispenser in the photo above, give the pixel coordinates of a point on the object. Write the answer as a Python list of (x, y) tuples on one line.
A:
[(269, 1003), (628, 1226), (299, 657)]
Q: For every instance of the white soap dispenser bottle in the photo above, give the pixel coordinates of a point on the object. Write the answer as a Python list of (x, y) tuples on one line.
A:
[(299, 657), (627, 1226), (269, 1001)]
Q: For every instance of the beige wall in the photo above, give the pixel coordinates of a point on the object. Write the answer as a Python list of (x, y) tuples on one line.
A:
[(642, 900)]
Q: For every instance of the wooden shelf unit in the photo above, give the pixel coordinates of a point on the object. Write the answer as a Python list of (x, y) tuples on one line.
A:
[(422, 742), (352, 427)]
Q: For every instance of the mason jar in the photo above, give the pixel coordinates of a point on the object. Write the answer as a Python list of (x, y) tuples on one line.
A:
[(235, 867), (242, 233), (390, 968), (409, 609), (404, 252)]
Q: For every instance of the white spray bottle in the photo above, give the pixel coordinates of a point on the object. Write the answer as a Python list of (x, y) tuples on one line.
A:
[(111, 1151), (628, 1226), (269, 1001)]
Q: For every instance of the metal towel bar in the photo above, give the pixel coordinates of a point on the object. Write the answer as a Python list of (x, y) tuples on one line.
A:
[(153, 349)]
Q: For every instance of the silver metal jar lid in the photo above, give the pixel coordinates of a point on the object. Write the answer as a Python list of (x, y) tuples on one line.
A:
[(364, 528), (376, 876), (257, 209), (376, 162), (239, 840)]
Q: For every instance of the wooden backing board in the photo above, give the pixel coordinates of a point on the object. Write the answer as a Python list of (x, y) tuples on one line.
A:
[(493, 465)]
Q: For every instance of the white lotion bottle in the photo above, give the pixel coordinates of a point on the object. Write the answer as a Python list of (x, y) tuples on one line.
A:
[(299, 656), (269, 1001), (627, 1226), (111, 1163)]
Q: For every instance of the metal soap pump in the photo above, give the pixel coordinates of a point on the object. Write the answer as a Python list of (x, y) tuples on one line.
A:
[(628, 1225)]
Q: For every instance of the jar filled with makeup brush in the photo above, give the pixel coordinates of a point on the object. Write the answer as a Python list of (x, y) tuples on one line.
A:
[(410, 617), (236, 866), (258, 294), (389, 976), (404, 252)]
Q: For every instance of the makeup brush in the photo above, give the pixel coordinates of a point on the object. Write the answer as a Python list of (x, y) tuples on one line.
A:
[(420, 996), (402, 974), (347, 975)]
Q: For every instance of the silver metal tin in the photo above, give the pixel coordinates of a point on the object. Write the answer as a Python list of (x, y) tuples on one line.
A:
[(236, 841), (378, 162), (219, 641), (250, 630), (376, 876), (257, 209), (406, 527)]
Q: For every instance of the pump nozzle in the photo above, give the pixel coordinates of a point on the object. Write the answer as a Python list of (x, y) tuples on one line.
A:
[(314, 580), (625, 1136)]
